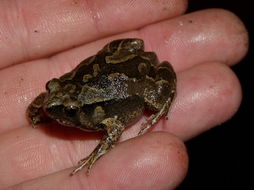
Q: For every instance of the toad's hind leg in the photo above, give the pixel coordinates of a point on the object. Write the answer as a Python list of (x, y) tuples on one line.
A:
[(159, 97), (114, 129)]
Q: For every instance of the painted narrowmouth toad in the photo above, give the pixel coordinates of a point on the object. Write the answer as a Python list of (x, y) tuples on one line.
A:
[(107, 92)]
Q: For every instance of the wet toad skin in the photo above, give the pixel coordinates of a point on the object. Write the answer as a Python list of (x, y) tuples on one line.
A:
[(107, 92)]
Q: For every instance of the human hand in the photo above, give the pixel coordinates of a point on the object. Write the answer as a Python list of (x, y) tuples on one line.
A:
[(40, 40)]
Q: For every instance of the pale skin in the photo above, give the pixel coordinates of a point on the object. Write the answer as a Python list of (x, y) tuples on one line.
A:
[(40, 40)]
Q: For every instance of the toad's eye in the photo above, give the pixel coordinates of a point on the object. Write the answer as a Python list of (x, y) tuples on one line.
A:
[(70, 110)]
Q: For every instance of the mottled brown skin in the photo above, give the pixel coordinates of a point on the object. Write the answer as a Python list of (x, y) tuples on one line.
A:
[(106, 92)]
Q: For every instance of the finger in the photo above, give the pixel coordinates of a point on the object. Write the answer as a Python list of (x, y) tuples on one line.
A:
[(199, 37), (32, 29), (23, 82), (207, 95), (203, 36), (165, 162)]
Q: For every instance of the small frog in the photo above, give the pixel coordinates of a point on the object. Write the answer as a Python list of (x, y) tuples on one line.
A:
[(107, 92)]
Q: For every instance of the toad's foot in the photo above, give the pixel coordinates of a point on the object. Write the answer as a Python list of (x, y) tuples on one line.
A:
[(155, 118), (88, 161)]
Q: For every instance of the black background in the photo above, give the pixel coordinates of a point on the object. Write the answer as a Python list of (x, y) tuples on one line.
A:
[(220, 158)]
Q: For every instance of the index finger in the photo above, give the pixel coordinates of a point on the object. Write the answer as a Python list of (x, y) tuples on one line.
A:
[(33, 29)]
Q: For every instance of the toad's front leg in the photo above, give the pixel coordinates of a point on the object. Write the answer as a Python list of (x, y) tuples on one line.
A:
[(114, 129), (34, 110)]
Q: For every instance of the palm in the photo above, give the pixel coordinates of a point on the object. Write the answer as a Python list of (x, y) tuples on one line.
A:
[(200, 46)]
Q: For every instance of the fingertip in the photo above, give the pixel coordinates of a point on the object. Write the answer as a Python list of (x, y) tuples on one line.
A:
[(198, 37), (155, 160), (208, 95), (235, 31)]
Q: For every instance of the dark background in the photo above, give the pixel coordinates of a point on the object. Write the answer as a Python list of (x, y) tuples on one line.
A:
[(220, 158)]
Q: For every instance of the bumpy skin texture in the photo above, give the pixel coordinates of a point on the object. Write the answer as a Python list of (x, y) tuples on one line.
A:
[(106, 92)]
